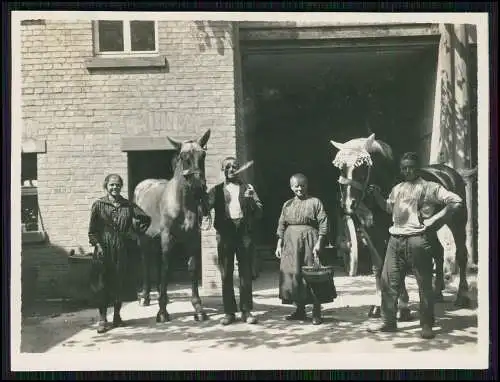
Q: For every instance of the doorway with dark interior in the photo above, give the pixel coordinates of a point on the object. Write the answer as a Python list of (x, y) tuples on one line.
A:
[(297, 101)]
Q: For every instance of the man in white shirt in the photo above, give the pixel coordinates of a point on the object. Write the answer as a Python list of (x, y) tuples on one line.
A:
[(237, 207), (411, 236)]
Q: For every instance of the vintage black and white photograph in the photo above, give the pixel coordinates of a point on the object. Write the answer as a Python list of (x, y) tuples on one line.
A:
[(249, 191)]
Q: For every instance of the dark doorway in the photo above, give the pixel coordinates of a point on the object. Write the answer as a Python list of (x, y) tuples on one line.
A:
[(297, 101), (156, 164)]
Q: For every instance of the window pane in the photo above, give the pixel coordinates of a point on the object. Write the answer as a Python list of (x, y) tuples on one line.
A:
[(28, 168), (29, 212), (110, 36), (142, 35)]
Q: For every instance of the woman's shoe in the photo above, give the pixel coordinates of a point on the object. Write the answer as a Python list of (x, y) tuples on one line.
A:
[(298, 315)]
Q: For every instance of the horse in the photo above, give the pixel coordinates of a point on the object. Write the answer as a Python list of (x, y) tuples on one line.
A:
[(368, 160), (175, 208)]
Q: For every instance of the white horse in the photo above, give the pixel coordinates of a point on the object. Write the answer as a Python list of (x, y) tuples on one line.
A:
[(364, 161)]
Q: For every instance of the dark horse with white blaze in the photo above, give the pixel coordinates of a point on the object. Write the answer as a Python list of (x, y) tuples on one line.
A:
[(175, 209), (365, 161)]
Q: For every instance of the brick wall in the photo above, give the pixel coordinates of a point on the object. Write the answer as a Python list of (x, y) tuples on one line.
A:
[(83, 115)]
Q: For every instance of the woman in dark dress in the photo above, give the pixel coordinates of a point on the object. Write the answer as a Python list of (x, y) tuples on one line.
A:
[(302, 230), (113, 222)]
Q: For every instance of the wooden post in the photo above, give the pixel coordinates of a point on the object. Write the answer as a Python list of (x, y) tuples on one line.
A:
[(462, 126), (462, 105), (451, 140), (443, 120), (469, 178)]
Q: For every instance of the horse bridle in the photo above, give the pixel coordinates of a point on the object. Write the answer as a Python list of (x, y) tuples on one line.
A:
[(357, 185)]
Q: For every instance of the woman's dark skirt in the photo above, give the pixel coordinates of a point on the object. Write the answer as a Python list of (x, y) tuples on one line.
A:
[(298, 244)]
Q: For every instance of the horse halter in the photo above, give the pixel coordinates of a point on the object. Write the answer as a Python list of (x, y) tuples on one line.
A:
[(353, 158)]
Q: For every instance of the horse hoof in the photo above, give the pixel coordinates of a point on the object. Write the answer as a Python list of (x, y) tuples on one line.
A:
[(462, 302), (200, 316), (374, 312), (405, 315), (144, 302), (162, 318)]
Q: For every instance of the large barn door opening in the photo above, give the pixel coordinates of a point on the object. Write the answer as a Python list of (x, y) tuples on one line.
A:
[(297, 100)]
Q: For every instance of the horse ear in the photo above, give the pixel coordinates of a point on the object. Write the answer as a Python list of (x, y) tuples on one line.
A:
[(369, 142), (204, 139), (175, 143), (337, 145)]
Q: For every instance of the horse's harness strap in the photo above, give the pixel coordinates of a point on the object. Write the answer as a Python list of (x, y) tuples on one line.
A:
[(190, 172), (343, 180)]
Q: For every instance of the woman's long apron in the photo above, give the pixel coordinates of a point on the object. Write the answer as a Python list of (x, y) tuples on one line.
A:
[(298, 244)]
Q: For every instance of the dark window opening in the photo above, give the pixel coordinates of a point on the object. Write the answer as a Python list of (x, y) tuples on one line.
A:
[(142, 35), (111, 36)]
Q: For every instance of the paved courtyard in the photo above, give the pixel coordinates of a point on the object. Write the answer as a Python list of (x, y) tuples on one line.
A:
[(344, 329)]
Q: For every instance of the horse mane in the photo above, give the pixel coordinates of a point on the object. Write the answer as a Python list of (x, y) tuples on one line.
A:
[(384, 169), (383, 148)]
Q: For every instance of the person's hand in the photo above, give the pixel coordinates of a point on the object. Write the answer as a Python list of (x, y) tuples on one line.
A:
[(98, 253), (316, 250), (373, 189), (249, 192), (429, 223), (278, 251)]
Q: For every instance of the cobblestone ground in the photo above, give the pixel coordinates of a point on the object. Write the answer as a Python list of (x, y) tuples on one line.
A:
[(344, 329)]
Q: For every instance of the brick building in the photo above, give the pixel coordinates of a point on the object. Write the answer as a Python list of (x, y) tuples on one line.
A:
[(101, 96)]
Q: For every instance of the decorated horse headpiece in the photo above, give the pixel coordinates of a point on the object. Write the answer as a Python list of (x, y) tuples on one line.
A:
[(352, 158), (354, 153)]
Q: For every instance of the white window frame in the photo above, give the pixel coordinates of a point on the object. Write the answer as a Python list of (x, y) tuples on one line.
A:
[(127, 41), (39, 235)]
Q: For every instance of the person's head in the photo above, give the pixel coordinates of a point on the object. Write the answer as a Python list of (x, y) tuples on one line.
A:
[(409, 165), (113, 184), (299, 185), (229, 166)]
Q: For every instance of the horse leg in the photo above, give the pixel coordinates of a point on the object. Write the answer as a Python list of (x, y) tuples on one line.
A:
[(462, 299), (377, 264), (438, 256), (374, 311), (194, 264), (145, 249), (166, 249)]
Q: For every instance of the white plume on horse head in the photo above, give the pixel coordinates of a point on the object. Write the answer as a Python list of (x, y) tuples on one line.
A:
[(369, 144), (355, 144)]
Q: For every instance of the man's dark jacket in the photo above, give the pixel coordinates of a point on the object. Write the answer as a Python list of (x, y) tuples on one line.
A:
[(250, 206)]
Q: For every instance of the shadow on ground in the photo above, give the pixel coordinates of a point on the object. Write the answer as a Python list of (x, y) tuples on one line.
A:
[(272, 332), (345, 322)]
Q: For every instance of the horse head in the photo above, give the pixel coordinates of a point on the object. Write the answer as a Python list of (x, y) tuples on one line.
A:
[(354, 160), (189, 162)]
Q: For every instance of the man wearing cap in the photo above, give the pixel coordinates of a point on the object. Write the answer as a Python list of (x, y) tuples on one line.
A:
[(237, 207)]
